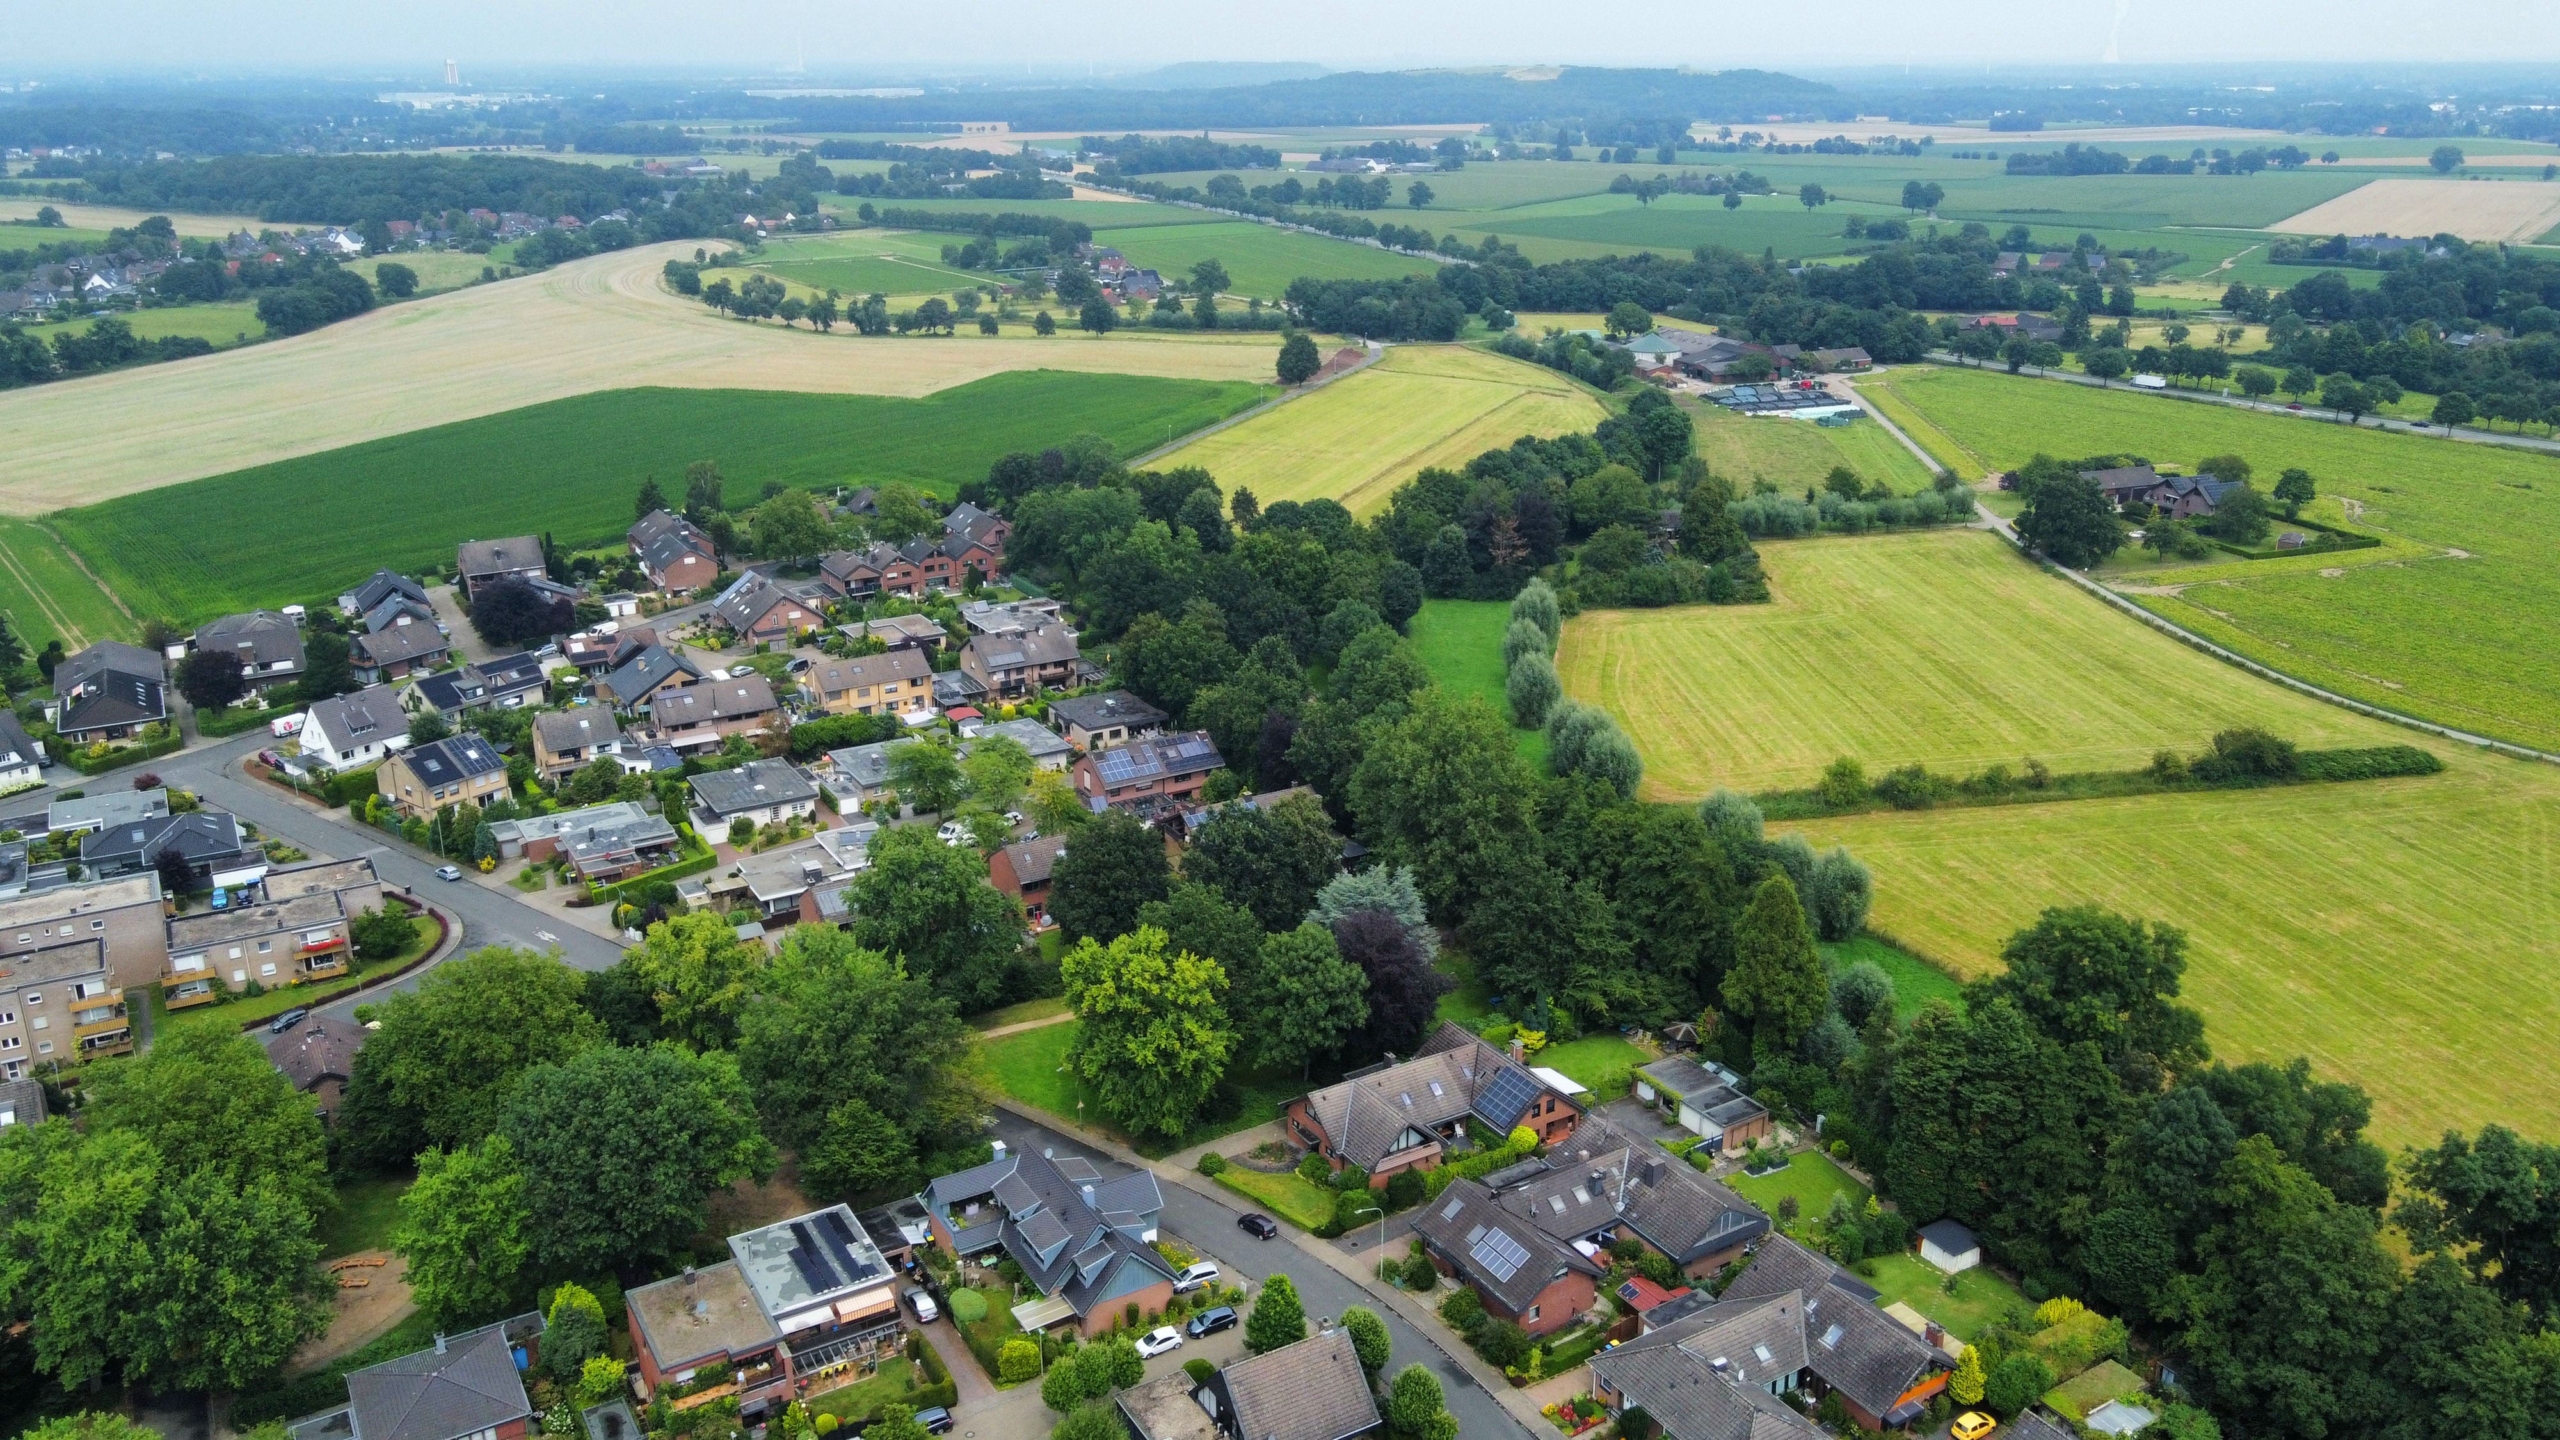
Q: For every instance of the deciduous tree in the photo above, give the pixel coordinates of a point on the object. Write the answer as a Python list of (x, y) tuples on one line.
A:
[(930, 904), (1271, 861), (701, 975), (1305, 997), (462, 1231), (1278, 1318), (1113, 866), (439, 1070), (1155, 1036)]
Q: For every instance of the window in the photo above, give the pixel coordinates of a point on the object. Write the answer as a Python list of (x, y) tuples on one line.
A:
[(11, 1042), (1532, 1317), (40, 1023), (265, 945), (8, 1017), (35, 997), (97, 924), (44, 1047), (239, 976), (267, 969), (235, 952)]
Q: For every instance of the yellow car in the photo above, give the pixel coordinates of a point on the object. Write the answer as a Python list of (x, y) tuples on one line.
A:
[(1973, 1425)]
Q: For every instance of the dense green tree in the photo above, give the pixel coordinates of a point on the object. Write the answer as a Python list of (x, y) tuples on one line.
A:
[(1677, 895), (89, 1425), (1277, 1317), (1171, 661), (2316, 1124), (462, 1231), (2066, 517), (1440, 789), (1092, 1421), (1200, 920), (1402, 988), (791, 526), (1306, 998), (997, 770), (930, 904), (1417, 1409), (621, 1148), (1369, 1340), (208, 1099), (574, 1331), (2241, 517), (649, 500), (1270, 860), (1155, 1038), (2494, 1202), (2086, 974), (1298, 359), (1776, 986), (700, 974), (926, 774), (439, 1070), (1115, 866), (2294, 489), (1531, 690), (211, 679)]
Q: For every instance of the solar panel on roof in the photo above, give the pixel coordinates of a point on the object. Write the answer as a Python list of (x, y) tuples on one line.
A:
[(839, 1238), (813, 1272), (822, 1276), (1499, 1254), (1505, 1096)]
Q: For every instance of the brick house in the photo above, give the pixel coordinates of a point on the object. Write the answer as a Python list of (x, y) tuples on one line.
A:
[(1114, 717), (1522, 1276), (876, 569), (479, 564), (464, 1387), (797, 1300), (884, 684), (1084, 1238), (687, 716), (1401, 1116), (1601, 1185), (1014, 665), (1148, 773), (674, 552), (565, 741), (761, 610), (405, 645), (1022, 870)]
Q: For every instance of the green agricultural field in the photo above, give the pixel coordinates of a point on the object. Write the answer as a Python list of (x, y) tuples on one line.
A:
[(28, 237), (47, 596), (1359, 437), (1260, 259), (1461, 642), (1673, 225), (869, 275), (2379, 928), (227, 322), (436, 269), (1118, 214), (2464, 637), (1797, 454), (569, 468), (1938, 647)]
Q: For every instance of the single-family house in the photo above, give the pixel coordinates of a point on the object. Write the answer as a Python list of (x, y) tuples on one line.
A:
[(383, 587), (1704, 1099), (797, 1300), (459, 769), (1311, 1390), (1009, 617), (22, 758), (463, 1387), (628, 686), (405, 645), (2123, 483), (267, 645), (1022, 663), (1084, 1238), (345, 732), (799, 884), (1401, 1115), (1114, 717), (858, 775), (566, 741), (208, 842), (1048, 750), (479, 564), (1882, 1372), (1846, 359), (759, 609), (109, 691), (889, 683), (710, 711), (1719, 1373), (1154, 775), (903, 632), (674, 552), (88, 814), (504, 682), (1521, 1275), (1023, 869), (319, 1057), (1602, 1185), (593, 653), (766, 792), (604, 842)]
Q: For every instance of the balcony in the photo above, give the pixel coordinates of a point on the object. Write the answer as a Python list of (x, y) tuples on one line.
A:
[(179, 993), (100, 1019), (106, 1035)]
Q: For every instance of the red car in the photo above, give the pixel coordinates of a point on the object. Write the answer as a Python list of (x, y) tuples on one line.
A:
[(2293, 405)]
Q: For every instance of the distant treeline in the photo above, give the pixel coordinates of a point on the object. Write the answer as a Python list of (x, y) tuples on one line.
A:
[(1063, 235), (347, 189), (1140, 155)]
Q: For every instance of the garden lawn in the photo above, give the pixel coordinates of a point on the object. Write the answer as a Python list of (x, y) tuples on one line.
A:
[(229, 322), (1811, 1177), (1289, 1195), (985, 1337), (859, 1401), (1605, 1063), (2377, 928), (1977, 1298), (1939, 647), (405, 501), (1916, 982), (1461, 642), (2093, 1387), (2470, 640), (1358, 438), (367, 1211)]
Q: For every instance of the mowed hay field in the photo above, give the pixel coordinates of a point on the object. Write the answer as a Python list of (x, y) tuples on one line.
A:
[(1796, 454), (2397, 932), (1358, 437), (308, 527), (1940, 648), (2469, 640), (598, 324), (1261, 260), (2515, 211)]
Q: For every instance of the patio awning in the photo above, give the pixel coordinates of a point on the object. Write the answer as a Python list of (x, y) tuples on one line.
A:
[(1037, 1315)]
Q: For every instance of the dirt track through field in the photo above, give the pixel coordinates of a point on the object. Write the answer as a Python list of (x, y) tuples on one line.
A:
[(2512, 211), (597, 324)]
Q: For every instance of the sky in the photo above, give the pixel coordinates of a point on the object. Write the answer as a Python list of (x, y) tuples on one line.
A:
[(868, 38)]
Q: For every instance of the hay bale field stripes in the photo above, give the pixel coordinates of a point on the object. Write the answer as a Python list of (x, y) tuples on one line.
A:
[(597, 324)]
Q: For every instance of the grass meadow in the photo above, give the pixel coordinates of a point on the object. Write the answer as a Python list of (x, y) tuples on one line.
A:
[(570, 467), (1261, 260), (1356, 439), (1461, 642), (1795, 455), (1936, 647), (2463, 639)]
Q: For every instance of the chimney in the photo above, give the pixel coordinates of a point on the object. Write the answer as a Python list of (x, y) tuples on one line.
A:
[(439, 1342), (1598, 1179), (1654, 1169), (688, 1275), (1519, 1052), (1088, 1197), (998, 1147)]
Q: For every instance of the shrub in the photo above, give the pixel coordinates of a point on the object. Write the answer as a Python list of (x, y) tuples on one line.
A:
[(1536, 603), (1211, 1162), (1018, 1361), (1404, 1190), (1844, 784), (2016, 1383), (1524, 638), (1532, 690), (1501, 1343), (1463, 1308), (1314, 1170), (1199, 1370), (2057, 1310), (968, 1307), (1911, 787), (2247, 753)]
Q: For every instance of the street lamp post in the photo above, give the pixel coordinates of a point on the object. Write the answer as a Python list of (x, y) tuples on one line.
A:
[(1381, 1213)]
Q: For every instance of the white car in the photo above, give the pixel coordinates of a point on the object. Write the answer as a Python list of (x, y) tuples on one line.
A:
[(1204, 1273), (922, 1304), (1163, 1339), (954, 833)]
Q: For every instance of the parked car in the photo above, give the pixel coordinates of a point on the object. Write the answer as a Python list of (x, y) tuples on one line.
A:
[(1973, 1425), (1210, 1322), (287, 1020), (1204, 1273), (1161, 1340), (922, 1304), (2293, 405), (952, 832), (935, 1420), (1258, 1225), (797, 664), (448, 872)]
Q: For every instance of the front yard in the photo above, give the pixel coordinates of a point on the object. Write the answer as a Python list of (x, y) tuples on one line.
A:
[(1287, 1195)]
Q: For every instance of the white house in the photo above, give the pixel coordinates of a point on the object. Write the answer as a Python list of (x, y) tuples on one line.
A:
[(347, 731), (1949, 1246)]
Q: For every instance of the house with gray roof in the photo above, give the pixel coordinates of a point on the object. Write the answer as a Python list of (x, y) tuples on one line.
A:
[(479, 564), (21, 1102), (758, 609), (1113, 717), (766, 792), (267, 645), (344, 732), (108, 692), (86, 813), (380, 587), (1022, 662), (1602, 1185), (504, 682), (674, 552), (1405, 1115), (1716, 1375), (604, 842), (798, 884), (858, 775), (463, 1387), (22, 759), (565, 741), (1882, 1372), (208, 842), (1312, 1390), (1049, 751), (1084, 1238), (1704, 1100), (1522, 1274), (402, 645), (628, 686)]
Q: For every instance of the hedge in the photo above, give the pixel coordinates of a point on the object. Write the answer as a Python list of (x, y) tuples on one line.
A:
[(627, 891), (77, 756), (236, 720), (2377, 762), (1913, 788)]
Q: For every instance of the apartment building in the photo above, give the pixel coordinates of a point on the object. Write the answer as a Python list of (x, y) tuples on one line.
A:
[(288, 930), (123, 914)]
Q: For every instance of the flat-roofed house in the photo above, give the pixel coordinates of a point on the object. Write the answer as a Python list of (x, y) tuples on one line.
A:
[(291, 927), (1704, 1101), (1114, 717), (796, 1301), (604, 842)]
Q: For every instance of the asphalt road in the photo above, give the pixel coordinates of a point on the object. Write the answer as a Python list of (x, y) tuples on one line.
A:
[(1209, 1227)]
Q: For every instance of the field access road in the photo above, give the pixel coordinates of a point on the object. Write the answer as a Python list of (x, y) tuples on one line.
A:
[(1208, 1224), (2268, 407)]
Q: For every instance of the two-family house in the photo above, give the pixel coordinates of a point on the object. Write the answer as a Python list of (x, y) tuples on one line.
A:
[(503, 682), (1083, 1237), (796, 1301), (456, 770), (1882, 1372), (879, 568), (345, 732), (692, 716), (109, 691), (381, 589), (674, 552), (890, 683), (1014, 665), (266, 643), (759, 609), (566, 741), (1600, 1186), (22, 758), (1400, 1116), (208, 843), (479, 564), (983, 529), (1718, 1373), (1314, 1389), (405, 645), (1151, 776)]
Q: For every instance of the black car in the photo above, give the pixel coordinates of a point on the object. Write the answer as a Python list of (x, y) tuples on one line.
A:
[(1258, 1225), (287, 1021), (1210, 1322), (935, 1420)]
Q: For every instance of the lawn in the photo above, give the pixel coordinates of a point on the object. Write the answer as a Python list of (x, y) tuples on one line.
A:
[(404, 501), (1916, 982), (1810, 1177), (1289, 1195), (2464, 636), (2378, 929), (367, 1211), (49, 597), (1029, 1066), (1461, 642), (1358, 438), (229, 322), (1796, 455), (1605, 1063), (1938, 647), (1016, 1014), (1977, 1298), (1260, 259), (2093, 1387)]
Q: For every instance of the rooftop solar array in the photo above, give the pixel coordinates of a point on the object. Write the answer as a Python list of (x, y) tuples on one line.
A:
[(1498, 1253), (1506, 1095)]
